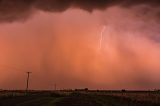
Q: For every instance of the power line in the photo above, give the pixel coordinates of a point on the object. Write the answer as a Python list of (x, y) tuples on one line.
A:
[(11, 67), (55, 87)]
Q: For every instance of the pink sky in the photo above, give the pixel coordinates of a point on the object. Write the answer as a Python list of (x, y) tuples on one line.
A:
[(63, 48)]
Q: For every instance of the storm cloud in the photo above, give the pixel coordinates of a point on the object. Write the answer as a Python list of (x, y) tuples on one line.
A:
[(11, 10), (59, 43)]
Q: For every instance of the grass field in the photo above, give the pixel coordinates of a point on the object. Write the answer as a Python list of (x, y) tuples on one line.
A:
[(79, 98)]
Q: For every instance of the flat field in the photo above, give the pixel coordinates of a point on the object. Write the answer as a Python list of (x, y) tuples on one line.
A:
[(80, 98)]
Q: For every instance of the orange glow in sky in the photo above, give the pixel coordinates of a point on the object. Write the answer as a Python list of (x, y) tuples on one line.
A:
[(62, 48)]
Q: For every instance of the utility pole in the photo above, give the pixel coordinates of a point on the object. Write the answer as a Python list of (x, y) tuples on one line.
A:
[(55, 87), (28, 74)]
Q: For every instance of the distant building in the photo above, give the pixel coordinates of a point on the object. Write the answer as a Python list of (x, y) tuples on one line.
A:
[(85, 89), (123, 90)]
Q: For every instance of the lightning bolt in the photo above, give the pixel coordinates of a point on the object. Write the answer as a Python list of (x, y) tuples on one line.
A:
[(101, 37)]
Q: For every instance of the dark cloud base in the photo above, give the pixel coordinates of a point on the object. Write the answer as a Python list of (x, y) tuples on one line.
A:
[(11, 10)]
